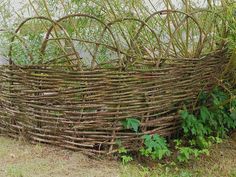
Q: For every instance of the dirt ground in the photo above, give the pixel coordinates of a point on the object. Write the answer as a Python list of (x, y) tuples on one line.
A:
[(20, 159)]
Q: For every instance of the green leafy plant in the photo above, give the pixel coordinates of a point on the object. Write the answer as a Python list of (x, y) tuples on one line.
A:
[(123, 153), (155, 147), (131, 123), (216, 119), (125, 158), (185, 153), (210, 124)]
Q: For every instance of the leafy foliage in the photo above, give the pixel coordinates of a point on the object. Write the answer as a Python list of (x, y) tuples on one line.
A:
[(208, 125), (131, 123), (125, 158), (124, 154), (155, 147), (186, 152), (217, 119)]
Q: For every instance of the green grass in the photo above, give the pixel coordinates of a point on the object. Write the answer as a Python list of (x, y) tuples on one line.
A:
[(20, 159)]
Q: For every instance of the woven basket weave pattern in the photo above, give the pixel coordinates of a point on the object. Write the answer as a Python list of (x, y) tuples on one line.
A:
[(83, 110)]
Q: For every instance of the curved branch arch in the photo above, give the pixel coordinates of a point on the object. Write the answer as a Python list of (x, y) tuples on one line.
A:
[(79, 15), (187, 16)]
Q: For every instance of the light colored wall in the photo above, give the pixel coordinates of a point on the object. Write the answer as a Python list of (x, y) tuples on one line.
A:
[(3, 60), (17, 4)]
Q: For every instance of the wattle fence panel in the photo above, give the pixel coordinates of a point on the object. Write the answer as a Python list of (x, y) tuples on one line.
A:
[(84, 110)]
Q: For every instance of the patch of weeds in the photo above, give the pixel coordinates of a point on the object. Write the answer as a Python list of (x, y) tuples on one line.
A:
[(202, 128), (13, 171), (155, 147), (186, 152), (125, 158), (123, 153), (208, 125)]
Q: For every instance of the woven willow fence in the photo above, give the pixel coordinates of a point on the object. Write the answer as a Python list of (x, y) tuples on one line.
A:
[(81, 106)]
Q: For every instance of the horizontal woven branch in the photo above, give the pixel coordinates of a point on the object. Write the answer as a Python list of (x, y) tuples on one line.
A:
[(83, 110)]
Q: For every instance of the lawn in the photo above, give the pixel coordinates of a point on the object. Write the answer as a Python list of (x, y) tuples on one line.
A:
[(21, 159)]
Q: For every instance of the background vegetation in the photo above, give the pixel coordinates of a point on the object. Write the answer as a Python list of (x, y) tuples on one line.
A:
[(140, 39)]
